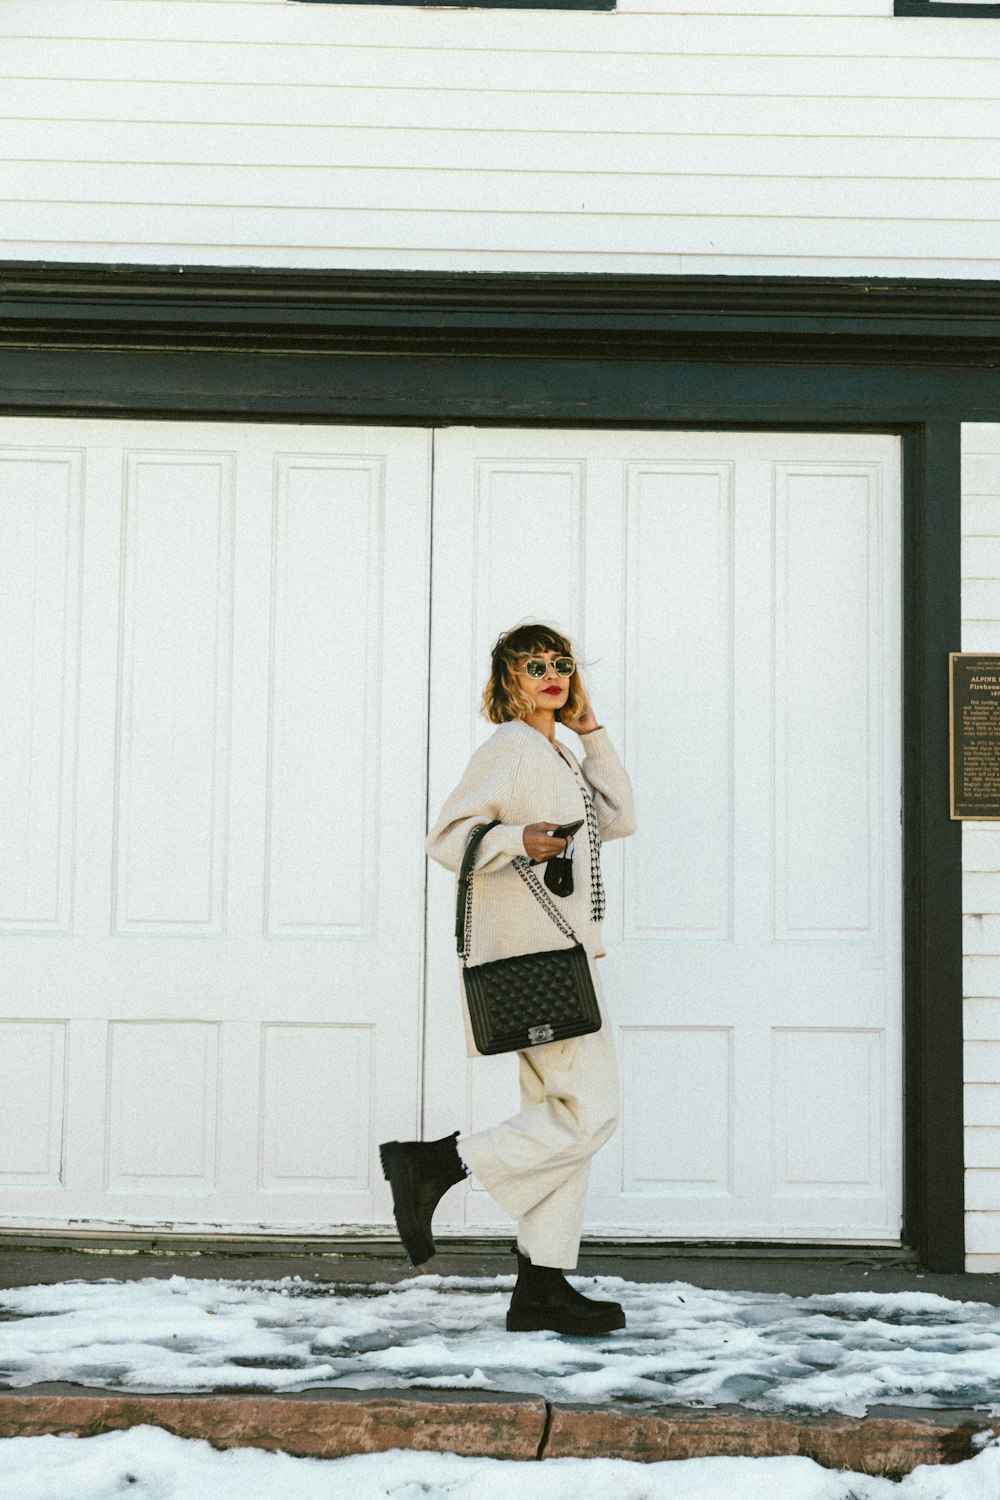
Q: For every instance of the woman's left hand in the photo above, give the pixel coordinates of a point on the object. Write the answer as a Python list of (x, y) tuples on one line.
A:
[(585, 723)]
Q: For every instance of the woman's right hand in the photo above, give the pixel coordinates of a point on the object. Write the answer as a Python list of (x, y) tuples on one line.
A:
[(537, 844)]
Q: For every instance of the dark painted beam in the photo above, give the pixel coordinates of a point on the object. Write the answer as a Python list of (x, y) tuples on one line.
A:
[(935, 1186), (420, 389), (480, 312)]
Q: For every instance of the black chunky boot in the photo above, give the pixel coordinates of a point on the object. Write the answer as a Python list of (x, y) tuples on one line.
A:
[(543, 1298), (420, 1173)]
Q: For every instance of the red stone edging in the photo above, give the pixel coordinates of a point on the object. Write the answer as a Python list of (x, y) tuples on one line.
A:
[(335, 1424), (878, 1444), (308, 1426)]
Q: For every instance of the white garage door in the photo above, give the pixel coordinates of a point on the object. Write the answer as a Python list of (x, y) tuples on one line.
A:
[(211, 909), (739, 597), (212, 887)]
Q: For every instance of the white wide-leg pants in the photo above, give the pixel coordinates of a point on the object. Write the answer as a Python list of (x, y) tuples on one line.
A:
[(537, 1164)]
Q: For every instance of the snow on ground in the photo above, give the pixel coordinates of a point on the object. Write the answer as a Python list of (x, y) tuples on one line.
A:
[(148, 1464), (842, 1352)]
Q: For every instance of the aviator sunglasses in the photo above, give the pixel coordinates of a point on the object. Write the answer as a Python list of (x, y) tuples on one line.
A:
[(537, 666)]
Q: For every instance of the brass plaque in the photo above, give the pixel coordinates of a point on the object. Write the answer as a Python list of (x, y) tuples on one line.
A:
[(975, 734)]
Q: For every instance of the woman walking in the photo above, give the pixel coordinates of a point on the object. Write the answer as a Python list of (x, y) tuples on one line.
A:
[(536, 1165)]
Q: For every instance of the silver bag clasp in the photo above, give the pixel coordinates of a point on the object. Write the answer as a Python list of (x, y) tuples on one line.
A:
[(538, 1034)]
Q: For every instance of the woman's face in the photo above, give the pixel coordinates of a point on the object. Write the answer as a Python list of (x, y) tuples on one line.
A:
[(550, 691)]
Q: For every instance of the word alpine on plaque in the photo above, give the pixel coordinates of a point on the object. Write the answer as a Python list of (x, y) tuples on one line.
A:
[(975, 734)]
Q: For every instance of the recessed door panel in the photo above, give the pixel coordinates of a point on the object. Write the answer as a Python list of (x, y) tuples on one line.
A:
[(41, 511), (175, 642)]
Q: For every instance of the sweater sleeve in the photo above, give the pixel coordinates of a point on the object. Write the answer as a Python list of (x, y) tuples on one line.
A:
[(608, 780), (482, 795)]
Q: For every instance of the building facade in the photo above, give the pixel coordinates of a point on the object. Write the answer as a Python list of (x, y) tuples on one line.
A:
[(334, 339)]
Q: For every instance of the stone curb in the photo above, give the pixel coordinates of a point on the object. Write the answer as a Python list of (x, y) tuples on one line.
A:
[(888, 1442), (335, 1424), (316, 1424)]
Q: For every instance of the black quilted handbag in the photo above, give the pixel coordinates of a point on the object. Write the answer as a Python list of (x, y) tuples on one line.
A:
[(520, 1002)]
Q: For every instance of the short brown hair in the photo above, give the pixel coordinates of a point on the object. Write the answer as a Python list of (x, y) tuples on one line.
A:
[(503, 700)]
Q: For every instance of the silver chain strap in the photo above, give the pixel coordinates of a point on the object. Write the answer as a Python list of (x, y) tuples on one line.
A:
[(467, 939), (522, 864)]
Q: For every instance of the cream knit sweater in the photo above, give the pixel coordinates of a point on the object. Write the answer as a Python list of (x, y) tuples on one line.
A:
[(518, 777)]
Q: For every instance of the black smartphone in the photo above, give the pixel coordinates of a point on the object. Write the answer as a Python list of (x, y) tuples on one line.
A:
[(566, 830)]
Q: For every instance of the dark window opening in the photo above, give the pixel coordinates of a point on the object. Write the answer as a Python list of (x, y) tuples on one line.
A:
[(938, 8)]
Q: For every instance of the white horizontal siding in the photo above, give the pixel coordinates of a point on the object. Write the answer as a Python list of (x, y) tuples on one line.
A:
[(982, 1110), (314, 149), (980, 1227), (981, 888), (981, 863), (982, 1064), (982, 1191), (182, 10), (801, 125), (983, 1150), (722, 71), (310, 190), (803, 136), (981, 935)]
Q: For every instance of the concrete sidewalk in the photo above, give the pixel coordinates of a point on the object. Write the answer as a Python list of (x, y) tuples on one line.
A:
[(335, 1423), (799, 1275)]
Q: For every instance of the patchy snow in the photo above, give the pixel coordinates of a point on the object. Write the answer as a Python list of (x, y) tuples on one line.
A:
[(683, 1345), (148, 1464)]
